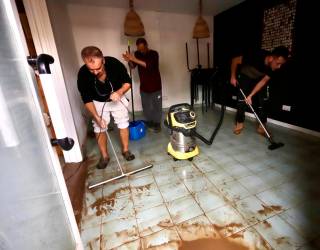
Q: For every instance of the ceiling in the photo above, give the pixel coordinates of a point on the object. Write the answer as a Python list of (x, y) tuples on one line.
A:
[(210, 7)]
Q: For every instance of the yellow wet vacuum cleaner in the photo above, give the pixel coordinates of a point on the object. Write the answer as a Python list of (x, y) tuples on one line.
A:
[(182, 123)]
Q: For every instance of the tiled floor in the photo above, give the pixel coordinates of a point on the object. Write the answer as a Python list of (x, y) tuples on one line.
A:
[(236, 194)]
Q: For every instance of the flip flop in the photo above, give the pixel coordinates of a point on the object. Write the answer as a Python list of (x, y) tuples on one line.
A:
[(237, 131), (103, 163), (128, 156)]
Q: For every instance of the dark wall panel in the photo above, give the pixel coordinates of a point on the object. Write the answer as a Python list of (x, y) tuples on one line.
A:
[(296, 84)]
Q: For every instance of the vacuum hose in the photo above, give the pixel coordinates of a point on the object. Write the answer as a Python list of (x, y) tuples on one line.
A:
[(210, 141), (223, 108)]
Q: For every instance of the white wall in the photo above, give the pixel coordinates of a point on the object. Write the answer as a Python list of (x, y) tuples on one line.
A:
[(69, 62), (165, 32)]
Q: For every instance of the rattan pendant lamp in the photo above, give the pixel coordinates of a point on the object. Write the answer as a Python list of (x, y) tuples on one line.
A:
[(200, 30), (132, 24)]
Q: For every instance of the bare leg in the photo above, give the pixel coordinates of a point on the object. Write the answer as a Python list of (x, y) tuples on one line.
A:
[(124, 137), (102, 143), (238, 128)]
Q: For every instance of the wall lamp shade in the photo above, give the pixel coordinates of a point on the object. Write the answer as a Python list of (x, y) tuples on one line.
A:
[(133, 25), (201, 29)]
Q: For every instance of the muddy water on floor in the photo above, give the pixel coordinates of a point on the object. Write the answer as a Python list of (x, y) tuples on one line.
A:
[(211, 244), (202, 236), (105, 203), (269, 209)]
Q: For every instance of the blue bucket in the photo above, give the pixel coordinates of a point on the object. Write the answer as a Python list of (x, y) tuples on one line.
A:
[(137, 130)]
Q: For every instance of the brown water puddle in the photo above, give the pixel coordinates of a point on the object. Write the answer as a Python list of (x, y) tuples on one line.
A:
[(103, 204), (269, 209), (113, 195), (229, 228), (282, 240), (165, 223), (266, 224), (143, 188), (211, 244)]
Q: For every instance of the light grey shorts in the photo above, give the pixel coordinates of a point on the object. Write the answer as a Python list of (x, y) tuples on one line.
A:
[(118, 110)]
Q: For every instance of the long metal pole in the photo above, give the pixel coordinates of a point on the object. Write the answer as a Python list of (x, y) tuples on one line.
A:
[(208, 54), (198, 53), (187, 53), (130, 72)]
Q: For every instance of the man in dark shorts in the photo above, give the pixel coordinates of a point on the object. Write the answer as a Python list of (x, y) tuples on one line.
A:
[(252, 71)]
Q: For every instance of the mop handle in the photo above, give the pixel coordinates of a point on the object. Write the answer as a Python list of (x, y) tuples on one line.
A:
[(130, 71), (250, 106), (115, 154), (124, 105)]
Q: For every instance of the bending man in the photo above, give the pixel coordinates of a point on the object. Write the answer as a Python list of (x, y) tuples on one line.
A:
[(252, 71), (102, 83)]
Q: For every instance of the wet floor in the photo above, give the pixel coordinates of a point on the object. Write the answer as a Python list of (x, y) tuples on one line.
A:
[(236, 194)]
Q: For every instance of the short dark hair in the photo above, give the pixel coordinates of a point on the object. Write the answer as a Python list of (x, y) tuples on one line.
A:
[(280, 51), (91, 51), (141, 40)]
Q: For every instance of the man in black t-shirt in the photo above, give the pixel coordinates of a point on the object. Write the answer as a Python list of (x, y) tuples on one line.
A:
[(252, 71), (102, 83)]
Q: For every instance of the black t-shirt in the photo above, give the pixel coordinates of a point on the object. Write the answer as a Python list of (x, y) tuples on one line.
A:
[(91, 88), (253, 64)]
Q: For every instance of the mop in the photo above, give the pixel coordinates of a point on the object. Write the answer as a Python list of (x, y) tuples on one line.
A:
[(123, 174), (274, 145)]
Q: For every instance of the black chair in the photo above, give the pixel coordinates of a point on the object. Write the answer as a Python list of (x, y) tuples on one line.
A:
[(204, 78)]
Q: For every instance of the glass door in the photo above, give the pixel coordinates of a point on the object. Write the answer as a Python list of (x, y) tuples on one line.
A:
[(35, 210)]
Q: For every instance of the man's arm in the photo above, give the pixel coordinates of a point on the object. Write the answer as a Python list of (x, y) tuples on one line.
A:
[(97, 117), (234, 65), (257, 88), (137, 61), (133, 60), (116, 96)]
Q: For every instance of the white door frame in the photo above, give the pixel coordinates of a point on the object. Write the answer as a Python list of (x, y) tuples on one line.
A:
[(56, 95)]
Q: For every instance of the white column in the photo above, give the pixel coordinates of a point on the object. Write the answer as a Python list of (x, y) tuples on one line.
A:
[(56, 95)]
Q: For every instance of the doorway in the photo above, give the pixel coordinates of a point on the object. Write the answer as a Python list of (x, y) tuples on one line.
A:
[(32, 52)]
